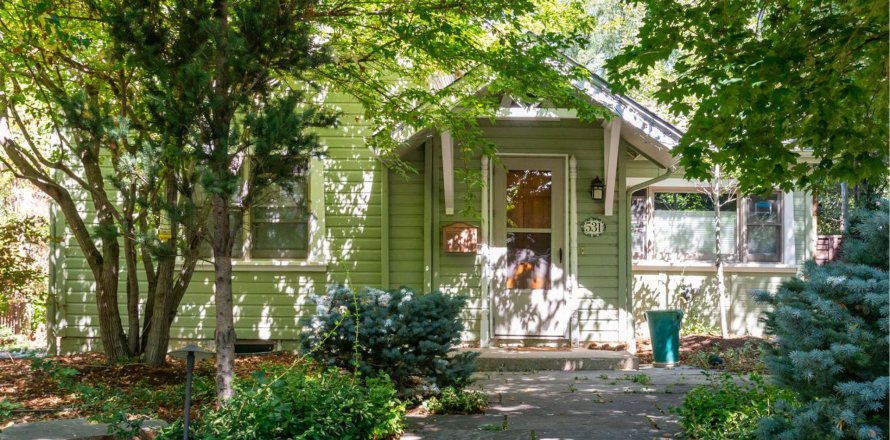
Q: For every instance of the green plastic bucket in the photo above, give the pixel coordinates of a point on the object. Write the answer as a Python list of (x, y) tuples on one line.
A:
[(664, 330)]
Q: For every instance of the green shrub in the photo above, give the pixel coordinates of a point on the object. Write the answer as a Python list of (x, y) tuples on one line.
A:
[(831, 343), (725, 409), (406, 335), (456, 401), (302, 404)]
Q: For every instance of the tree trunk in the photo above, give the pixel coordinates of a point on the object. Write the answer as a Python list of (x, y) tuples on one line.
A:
[(111, 330), (845, 208), (159, 331), (133, 337), (103, 265), (168, 294), (130, 257), (225, 319), (721, 281), (151, 279)]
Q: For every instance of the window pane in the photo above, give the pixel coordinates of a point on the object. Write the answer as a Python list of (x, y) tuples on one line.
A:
[(279, 223), (763, 241), (279, 239), (763, 210), (682, 201), (528, 260), (279, 215), (638, 223), (528, 198), (683, 227)]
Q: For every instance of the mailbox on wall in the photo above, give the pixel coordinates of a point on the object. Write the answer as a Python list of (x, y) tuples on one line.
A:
[(460, 238)]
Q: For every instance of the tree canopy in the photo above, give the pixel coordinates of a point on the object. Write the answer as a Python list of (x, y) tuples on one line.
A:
[(774, 82)]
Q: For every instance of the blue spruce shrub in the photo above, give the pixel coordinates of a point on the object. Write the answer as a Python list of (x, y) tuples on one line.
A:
[(408, 336), (831, 341), (866, 243)]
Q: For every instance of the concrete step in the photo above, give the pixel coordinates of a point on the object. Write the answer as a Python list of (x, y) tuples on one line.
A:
[(576, 359)]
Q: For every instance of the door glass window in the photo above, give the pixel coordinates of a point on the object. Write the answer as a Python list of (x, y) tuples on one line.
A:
[(529, 229), (528, 260), (528, 198)]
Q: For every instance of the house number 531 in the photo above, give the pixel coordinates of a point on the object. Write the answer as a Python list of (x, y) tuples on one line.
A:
[(593, 227)]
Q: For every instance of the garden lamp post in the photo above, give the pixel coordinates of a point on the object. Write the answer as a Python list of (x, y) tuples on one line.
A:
[(189, 353)]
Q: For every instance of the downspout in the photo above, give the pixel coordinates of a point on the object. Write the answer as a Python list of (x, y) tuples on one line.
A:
[(631, 339)]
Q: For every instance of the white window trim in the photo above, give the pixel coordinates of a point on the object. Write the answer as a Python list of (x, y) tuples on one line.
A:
[(788, 259), (704, 266), (318, 252)]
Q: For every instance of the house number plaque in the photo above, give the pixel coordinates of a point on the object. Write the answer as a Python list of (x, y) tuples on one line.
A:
[(593, 227)]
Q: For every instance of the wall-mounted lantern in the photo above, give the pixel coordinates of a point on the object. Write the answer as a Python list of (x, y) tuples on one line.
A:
[(596, 188)]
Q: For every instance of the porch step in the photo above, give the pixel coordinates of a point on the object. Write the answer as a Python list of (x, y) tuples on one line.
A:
[(576, 359)]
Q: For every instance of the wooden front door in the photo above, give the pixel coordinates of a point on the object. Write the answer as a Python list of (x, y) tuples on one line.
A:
[(529, 295)]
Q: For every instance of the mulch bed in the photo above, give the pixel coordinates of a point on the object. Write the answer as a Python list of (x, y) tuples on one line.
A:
[(693, 346), (41, 398)]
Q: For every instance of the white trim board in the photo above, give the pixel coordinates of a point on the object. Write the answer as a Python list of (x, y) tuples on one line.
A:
[(448, 171)]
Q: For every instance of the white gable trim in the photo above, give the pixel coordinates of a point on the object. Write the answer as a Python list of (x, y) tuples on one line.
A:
[(448, 171), (611, 136)]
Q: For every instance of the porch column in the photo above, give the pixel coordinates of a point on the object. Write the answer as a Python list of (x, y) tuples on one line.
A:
[(485, 321)]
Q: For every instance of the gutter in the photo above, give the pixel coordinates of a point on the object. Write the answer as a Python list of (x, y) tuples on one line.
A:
[(632, 340)]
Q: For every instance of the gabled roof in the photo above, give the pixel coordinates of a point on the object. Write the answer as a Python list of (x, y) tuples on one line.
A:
[(649, 134)]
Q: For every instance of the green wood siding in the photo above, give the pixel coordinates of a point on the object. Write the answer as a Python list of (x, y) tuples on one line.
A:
[(406, 202), (654, 290), (272, 305), (598, 260)]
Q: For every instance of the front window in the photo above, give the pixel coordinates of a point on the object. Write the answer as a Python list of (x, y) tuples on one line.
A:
[(279, 223), (683, 227), (680, 225), (275, 226), (763, 232)]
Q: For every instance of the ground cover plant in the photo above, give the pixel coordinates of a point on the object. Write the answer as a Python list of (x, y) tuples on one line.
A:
[(729, 407), (302, 402), (320, 403), (831, 343), (452, 400), (86, 386), (409, 336)]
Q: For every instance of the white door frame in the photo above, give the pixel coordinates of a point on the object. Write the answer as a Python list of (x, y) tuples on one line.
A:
[(488, 262)]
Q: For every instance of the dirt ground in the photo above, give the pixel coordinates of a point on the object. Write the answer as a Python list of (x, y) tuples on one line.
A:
[(41, 398), (739, 354)]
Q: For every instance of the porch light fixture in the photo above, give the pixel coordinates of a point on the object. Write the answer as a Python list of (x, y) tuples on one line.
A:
[(596, 188)]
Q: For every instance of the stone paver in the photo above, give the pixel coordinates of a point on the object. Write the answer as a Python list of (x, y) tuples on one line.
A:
[(567, 405), (71, 429)]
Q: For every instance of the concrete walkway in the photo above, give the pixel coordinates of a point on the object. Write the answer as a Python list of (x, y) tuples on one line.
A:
[(72, 429), (576, 359), (568, 405)]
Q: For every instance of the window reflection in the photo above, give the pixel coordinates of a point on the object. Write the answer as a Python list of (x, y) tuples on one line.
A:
[(528, 260), (528, 198)]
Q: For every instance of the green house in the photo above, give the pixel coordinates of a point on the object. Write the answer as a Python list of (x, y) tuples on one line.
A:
[(574, 232)]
